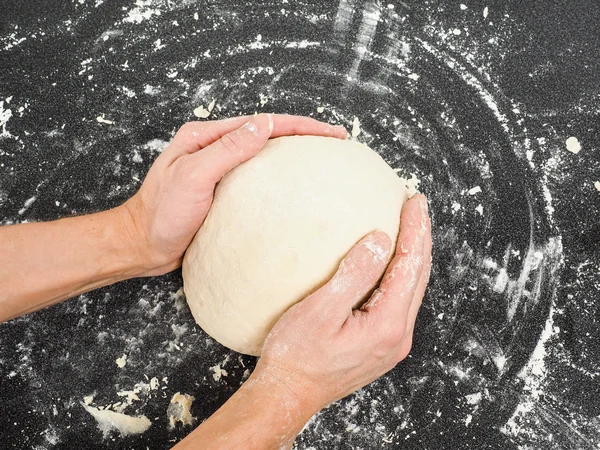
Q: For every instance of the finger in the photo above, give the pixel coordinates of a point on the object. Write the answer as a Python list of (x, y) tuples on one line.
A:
[(423, 281), (392, 300), (357, 275), (401, 337), (285, 125), (232, 149), (194, 136)]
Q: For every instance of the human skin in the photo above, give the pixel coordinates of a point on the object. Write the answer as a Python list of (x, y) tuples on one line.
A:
[(299, 372), (321, 349), (44, 263)]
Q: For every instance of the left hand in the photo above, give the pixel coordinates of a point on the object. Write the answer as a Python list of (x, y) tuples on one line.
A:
[(164, 215)]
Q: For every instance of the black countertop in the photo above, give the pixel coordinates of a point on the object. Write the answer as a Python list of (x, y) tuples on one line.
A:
[(477, 99)]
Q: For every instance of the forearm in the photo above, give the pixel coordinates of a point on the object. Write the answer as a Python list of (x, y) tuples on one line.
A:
[(262, 414), (44, 263)]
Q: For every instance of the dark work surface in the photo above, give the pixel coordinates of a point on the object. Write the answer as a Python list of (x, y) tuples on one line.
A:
[(507, 346)]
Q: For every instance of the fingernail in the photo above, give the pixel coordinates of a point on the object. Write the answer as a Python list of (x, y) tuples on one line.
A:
[(333, 129), (254, 126), (251, 127), (424, 213)]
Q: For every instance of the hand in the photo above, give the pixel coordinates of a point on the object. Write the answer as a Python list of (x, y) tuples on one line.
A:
[(321, 349), (163, 217)]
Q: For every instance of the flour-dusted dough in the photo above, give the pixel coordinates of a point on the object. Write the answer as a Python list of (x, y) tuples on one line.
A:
[(278, 228), (113, 421)]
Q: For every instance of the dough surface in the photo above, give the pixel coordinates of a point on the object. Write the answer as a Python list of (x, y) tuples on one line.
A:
[(278, 228)]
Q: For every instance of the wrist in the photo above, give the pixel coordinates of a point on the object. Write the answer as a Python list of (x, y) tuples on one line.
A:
[(132, 248), (286, 388), (263, 413)]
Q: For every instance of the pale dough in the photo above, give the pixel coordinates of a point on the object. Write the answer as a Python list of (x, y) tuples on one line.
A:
[(124, 424), (179, 410), (278, 228)]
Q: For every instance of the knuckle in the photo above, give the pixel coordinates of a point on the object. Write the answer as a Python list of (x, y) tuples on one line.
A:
[(188, 128), (361, 271), (231, 144)]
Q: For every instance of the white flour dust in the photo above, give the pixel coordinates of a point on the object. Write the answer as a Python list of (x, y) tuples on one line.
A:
[(176, 88)]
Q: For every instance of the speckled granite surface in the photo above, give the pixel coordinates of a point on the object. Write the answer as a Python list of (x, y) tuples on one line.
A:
[(477, 99)]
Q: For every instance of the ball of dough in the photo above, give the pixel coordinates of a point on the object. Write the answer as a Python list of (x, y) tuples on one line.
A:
[(278, 228)]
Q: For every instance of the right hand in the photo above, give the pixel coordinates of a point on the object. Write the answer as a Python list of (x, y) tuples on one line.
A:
[(321, 349)]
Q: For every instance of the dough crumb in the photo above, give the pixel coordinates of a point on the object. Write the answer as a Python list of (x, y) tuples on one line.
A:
[(26, 205), (101, 119), (321, 109), (131, 395), (597, 185), (179, 294), (218, 372), (412, 185), (112, 421), (263, 98), (573, 145), (179, 410), (203, 113), (154, 383), (356, 127), (473, 399), (179, 300), (121, 361), (88, 399), (479, 209), (475, 190)]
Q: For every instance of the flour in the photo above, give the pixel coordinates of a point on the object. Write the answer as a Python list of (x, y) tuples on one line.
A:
[(30, 201), (121, 361), (534, 376), (401, 73), (143, 11), (13, 40), (103, 120), (573, 145), (5, 115)]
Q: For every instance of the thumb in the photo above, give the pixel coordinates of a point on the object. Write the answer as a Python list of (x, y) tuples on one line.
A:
[(234, 148), (357, 274)]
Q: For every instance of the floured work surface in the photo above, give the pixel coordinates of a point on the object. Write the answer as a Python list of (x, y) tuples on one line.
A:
[(480, 103)]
